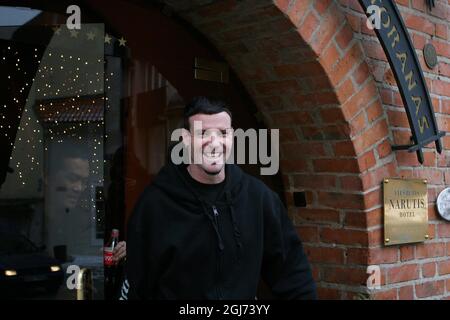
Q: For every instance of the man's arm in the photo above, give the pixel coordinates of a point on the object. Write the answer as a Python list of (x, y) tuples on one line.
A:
[(285, 266)]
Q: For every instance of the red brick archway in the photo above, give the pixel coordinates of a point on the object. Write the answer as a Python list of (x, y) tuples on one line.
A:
[(308, 76)]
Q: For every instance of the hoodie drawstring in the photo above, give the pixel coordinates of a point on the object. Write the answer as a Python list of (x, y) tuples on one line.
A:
[(236, 231)]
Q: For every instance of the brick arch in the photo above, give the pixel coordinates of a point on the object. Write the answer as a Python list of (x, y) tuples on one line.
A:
[(308, 77)]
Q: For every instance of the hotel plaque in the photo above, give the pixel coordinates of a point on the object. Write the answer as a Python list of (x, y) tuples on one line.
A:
[(405, 211)]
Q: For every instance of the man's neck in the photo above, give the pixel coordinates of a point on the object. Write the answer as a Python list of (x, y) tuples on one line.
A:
[(198, 174)]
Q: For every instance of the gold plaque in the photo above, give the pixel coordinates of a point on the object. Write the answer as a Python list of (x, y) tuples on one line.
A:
[(405, 211)]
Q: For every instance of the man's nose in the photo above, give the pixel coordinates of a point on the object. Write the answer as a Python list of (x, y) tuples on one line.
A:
[(215, 142), (215, 138)]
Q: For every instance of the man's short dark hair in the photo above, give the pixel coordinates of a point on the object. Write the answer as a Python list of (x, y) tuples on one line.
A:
[(206, 106)]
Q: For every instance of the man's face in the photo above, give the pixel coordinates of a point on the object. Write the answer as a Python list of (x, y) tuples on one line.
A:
[(72, 180), (212, 143)]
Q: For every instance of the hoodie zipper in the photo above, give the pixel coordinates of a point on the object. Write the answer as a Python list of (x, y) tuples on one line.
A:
[(215, 222), (216, 215), (219, 261)]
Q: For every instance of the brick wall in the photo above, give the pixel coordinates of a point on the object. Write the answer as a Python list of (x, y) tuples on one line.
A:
[(422, 270), (319, 75)]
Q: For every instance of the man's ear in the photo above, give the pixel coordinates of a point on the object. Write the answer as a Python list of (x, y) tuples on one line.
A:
[(186, 135)]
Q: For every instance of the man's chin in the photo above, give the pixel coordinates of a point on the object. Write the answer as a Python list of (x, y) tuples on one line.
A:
[(213, 171)]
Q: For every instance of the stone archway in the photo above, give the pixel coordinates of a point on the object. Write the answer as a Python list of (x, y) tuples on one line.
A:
[(308, 77)]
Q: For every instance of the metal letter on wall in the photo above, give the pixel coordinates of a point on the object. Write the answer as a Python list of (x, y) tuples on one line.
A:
[(405, 211), (402, 58)]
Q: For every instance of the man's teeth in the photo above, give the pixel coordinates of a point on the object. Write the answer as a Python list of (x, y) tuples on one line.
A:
[(213, 155)]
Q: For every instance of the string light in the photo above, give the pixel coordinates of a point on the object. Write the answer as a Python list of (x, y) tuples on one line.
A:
[(30, 138)]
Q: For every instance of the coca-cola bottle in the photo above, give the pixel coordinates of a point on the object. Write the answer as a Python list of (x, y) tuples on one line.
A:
[(110, 266)]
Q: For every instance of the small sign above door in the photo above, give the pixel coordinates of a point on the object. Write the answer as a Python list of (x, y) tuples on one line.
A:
[(209, 70)]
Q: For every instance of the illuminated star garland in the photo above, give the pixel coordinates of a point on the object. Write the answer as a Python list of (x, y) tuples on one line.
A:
[(78, 81)]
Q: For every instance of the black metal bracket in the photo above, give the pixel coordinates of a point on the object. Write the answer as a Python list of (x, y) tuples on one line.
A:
[(417, 147)]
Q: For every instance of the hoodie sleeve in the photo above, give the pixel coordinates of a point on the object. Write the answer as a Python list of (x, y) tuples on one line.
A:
[(285, 267), (137, 245)]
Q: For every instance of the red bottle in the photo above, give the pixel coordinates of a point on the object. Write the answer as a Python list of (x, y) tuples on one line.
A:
[(111, 272), (109, 248)]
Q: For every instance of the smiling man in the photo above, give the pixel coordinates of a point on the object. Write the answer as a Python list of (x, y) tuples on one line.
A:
[(207, 230), (210, 140)]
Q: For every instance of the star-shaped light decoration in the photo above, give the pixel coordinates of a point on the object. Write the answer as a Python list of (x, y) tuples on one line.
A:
[(90, 35), (56, 30), (122, 42), (73, 33), (107, 38)]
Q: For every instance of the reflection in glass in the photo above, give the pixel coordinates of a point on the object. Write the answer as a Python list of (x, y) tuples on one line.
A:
[(51, 123)]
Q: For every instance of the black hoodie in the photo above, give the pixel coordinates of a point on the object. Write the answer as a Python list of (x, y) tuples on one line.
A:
[(181, 247)]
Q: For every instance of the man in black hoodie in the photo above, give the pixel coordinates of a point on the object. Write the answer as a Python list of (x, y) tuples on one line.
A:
[(207, 230)]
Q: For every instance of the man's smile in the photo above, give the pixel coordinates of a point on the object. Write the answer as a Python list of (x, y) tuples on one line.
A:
[(213, 155)]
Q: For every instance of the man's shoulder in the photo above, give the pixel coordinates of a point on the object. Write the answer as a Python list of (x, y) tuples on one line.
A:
[(149, 195), (151, 190)]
